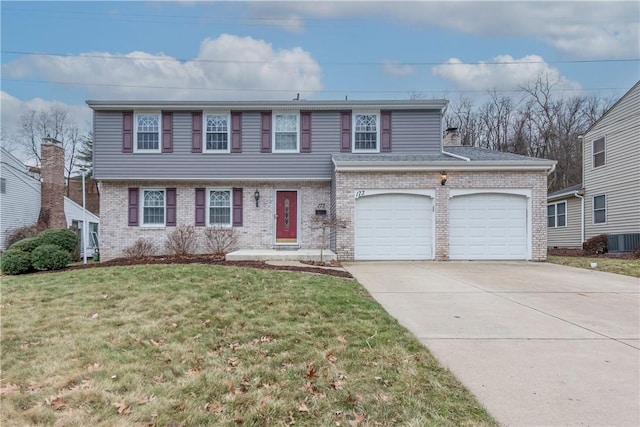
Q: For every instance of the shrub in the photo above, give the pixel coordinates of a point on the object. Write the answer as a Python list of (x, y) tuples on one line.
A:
[(220, 239), (181, 241), (65, 239), (140, 249), (22, 233), (50, 257), (26, 245), (636, 252), (595, 245), (15, 261)]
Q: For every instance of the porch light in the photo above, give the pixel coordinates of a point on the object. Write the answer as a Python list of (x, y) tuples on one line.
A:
[(443, 178), (256, 196)]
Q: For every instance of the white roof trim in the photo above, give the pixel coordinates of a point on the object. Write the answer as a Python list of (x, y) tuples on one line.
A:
[(209, 179), (446, 165)]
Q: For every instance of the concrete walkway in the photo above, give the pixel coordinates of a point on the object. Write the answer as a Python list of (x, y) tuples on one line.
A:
[(538, 344)]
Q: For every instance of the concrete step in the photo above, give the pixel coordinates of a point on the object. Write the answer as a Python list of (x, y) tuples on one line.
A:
[(279, 255)]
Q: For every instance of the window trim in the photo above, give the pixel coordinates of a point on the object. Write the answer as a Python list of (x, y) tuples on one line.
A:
[(274, 145), (142, 206), (208, 206), (593, 210), (227, 114), (354, 115), (136, 114), (604, 152), (555, 215)]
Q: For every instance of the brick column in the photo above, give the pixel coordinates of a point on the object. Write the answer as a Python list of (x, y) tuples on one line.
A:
[(52, 189)]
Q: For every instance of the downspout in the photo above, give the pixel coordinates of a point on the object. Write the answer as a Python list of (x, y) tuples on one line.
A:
[(582, 213)]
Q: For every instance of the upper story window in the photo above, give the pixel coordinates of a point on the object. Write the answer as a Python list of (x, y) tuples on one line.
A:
[(285, 132), (557, 215), (3, 185), (153, 207), (216, 133), (600, 209), (147, 132), (366, 132), (598, 152), (219, 207)]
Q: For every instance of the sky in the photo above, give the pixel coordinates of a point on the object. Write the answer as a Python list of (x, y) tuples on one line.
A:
[(64, 53)]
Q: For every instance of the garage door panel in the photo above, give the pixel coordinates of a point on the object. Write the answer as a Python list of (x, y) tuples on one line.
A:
[(488, 226), (393, 226)]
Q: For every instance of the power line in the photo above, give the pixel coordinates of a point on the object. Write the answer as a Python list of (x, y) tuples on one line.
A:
[(293, 90), (341, 63)]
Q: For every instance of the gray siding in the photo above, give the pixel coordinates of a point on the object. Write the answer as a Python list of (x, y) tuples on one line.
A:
[(415, 132), (569, 236), (619, 178), (412, 132)]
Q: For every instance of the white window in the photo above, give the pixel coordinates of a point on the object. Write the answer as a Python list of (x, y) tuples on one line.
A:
[(285, 132), (365, 132), (598, 148), (557, 215), (216, 133), (153, 207), (219, 202), (147, 132), (600, 209)]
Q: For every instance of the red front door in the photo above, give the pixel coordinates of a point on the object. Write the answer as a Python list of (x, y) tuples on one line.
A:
[(286, 217)]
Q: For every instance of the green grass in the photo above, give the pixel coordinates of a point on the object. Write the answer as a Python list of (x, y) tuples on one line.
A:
[(628, 267), (190, 345)]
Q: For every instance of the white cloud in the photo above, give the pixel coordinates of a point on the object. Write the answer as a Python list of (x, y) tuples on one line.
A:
[(594, 29), (13, 108), (397, 69), (228, 67), (502, 72)]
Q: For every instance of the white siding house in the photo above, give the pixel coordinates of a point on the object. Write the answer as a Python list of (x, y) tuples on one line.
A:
[(20, 201)]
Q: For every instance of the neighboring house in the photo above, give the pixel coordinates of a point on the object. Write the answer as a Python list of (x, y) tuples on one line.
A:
[(21, 201), (269, 168), (565, 218), (609, 196)]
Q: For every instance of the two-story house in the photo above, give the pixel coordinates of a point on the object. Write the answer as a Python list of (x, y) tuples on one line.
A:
[(608, 200), (268, 168)]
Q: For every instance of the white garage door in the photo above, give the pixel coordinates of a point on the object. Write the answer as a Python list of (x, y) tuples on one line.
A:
[(488, 226), (393, 227)]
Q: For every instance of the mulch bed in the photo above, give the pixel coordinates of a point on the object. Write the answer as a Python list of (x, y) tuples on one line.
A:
[(208, 259), (580, 253)]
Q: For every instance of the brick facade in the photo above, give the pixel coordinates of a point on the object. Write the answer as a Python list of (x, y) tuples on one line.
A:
[(346, 183), (258, 228)]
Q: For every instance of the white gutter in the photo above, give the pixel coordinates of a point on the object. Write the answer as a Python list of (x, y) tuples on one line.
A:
[(210, 179), (355, 166), (457, 156)]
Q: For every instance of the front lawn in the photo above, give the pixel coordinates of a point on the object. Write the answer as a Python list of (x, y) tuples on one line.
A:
[(188, 345), (628, 267)]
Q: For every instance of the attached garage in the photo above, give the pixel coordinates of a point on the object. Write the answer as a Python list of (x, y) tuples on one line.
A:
[(486, 226), (393, 226)]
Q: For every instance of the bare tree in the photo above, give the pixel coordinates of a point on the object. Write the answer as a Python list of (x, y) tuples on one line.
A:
[(56, 122)]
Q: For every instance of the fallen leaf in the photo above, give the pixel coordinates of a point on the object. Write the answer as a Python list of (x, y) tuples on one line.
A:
[(232, 361), (123, 408), (303, 408), (311, 388), (342, 339), (57, 403), (159, 379), (331, 356), (359, 419), (216, 408), (234, 346), (311, 371), (158, 342), (337, 385), (145, 400)]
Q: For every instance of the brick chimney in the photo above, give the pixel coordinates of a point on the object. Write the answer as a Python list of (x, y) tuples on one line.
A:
[(451, 137), (52, 190)]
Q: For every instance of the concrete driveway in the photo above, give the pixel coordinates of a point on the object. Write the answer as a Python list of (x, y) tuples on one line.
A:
[(538, 344)]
